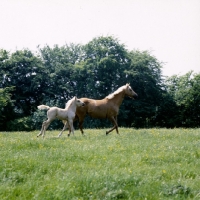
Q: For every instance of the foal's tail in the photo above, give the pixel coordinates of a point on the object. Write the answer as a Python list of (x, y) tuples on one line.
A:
[(43, 107)]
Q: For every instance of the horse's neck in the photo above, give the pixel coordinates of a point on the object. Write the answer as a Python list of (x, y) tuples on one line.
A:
[(71, 107), (118, 98)]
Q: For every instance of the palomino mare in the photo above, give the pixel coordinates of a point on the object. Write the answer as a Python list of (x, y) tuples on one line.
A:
[(67, 114), (105, 108)]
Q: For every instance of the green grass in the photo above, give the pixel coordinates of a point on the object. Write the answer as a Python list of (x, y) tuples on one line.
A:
[(137, 164)]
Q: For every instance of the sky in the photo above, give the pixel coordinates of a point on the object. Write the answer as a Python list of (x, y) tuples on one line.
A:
[(168, 29)]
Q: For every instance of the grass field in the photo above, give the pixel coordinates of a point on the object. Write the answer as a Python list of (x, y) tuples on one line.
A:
[(137, 164)]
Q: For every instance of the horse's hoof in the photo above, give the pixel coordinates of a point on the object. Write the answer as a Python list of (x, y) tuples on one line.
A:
[(106, 133)]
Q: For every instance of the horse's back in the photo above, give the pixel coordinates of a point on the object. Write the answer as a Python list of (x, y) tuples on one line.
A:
[(96, 108), (55, 112)]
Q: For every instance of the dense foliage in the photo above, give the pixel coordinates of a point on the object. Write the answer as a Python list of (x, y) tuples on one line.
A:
[(53, 75)]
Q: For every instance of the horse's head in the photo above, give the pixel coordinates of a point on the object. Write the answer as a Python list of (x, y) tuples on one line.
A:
[(79, 102), (129, 92)]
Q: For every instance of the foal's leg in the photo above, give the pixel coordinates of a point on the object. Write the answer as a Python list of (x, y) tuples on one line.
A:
[(42, 129), (71, 127), (114, 121), (46, 125), (65, 126)]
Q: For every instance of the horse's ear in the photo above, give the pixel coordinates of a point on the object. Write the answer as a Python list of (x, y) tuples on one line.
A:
[(75, 97), (127, 84)]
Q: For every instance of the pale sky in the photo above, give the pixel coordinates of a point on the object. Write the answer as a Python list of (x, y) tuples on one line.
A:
[(169, 29)]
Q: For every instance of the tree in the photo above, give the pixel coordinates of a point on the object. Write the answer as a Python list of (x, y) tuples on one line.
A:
[(54, 75), (194, 101), (185, 92), (105, 61), (60, 64), (5, 97), (144, 74), (24, 71), (5, 106)]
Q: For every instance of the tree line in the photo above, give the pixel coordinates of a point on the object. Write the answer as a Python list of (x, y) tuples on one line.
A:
[(53, 75)]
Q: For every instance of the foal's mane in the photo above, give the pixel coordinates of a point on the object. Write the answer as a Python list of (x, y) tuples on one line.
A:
[(119, 90), (69, 103)]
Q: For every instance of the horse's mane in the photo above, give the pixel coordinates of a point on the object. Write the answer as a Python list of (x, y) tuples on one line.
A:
[(111, 96), (68, 104)]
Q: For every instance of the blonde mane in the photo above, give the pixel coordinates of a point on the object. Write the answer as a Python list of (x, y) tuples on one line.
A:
[(69, 103), (111, 96)]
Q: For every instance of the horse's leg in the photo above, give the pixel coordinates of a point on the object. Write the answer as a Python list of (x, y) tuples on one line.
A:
[(80, 117), (71, 127), (65, 126), (113, 120), (117, 125), (81, 127), (46, 125), (81, 120), (42, 129), (69, 131)]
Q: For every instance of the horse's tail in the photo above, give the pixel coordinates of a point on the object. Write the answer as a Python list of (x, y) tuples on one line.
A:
[(43, 107)]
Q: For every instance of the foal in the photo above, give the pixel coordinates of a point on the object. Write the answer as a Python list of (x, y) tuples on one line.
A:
[(67, 114)]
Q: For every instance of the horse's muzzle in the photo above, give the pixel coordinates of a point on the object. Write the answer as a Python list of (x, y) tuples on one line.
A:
[(135, 96), (83, 104)]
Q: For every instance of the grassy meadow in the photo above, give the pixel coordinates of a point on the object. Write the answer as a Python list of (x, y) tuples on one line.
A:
[(137, 164)]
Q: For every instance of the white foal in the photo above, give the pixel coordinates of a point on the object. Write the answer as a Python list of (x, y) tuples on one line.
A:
[(67, 114)]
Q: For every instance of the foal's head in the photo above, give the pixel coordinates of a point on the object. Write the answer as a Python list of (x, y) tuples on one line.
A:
[(129, 92)]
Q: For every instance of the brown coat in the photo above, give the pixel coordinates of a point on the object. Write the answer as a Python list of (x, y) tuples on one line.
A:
[(105, 108)]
